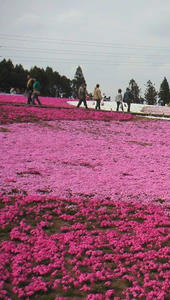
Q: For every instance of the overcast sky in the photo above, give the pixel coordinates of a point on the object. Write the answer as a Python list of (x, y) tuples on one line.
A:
[(112, 40)]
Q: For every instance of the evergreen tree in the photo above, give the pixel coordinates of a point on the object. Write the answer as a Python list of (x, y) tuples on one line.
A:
[(19, 78), (6, 74), (77, 81), (135, 90), (52, 83), (150, 93), (57, 85), (65, 84), (164, 93)]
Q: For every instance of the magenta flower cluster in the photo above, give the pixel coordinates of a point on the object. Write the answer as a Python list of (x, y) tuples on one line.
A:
[(19, 114), (47, 101), (98, 246), (84, 203), (53, 109), (121, 160)]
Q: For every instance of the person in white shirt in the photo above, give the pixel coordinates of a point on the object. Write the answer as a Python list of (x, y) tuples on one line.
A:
[(119, 100)]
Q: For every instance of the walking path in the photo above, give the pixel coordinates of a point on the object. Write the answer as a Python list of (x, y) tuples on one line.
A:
[(149, 111)]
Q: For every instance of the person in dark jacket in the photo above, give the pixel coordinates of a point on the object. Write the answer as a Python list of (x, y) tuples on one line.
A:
[(82, 93), (128, 98)]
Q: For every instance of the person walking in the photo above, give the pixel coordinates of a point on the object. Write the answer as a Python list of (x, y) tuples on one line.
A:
[(97, 96), (119, 100), (128, 98), (82, 93), (36, 91), (29, 89)]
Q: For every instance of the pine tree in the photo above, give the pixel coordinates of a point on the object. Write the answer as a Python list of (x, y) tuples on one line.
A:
[(19, 78), (150, 93), (135, 90), (6, 75), (50, 81), (164, 93), (77, 81)]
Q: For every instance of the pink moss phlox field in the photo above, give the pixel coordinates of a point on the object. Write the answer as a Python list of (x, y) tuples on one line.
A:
[(122, 160), (48, 101), (57, 109), (99, 249), (13, 114), (83, 205)]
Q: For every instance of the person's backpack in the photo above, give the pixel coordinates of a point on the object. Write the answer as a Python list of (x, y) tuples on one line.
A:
[(128, 96)]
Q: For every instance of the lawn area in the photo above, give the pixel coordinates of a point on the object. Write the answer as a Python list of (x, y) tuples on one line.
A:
[(84, 211)]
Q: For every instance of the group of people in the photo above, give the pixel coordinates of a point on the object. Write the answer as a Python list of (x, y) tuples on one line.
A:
[(82, 95), (32, 90), (127, 98)]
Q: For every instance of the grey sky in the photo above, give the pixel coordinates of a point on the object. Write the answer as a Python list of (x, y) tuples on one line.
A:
[(112, 40)]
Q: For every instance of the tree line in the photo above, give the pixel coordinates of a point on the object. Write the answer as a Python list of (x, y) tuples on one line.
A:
[(53, 84), (151, 95)]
